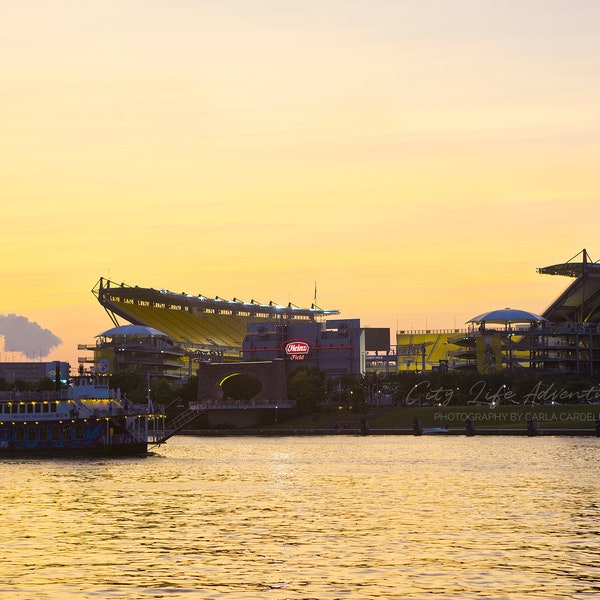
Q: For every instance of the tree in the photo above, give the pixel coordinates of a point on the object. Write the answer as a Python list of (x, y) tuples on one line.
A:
[(46, 384), (162, 391), (307, 386), (134, 385), (189, 390)]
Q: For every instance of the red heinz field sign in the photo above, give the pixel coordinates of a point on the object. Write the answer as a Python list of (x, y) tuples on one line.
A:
[(296, 349)]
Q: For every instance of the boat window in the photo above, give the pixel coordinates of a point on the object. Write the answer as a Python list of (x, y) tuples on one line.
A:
[(67, 433), (30, 407), (38, 407), (20, 434), (21, 407), (31, 434), (52, 406), (55, 433), (45, 407), (15, 408), (79, 432), (43, 433)]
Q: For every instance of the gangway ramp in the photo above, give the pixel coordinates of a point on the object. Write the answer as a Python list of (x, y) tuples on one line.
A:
[(176, 424)]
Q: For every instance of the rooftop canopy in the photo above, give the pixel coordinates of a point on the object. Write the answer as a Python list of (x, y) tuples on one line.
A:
[(506, 316), (131, 330)]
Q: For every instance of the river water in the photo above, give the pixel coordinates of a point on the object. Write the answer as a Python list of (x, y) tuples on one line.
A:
[(308, 518)]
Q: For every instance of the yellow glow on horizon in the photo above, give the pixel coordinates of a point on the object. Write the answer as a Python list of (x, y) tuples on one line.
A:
[(419, 165)]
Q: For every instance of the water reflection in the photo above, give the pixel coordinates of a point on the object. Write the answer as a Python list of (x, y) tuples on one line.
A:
[(299, 518)]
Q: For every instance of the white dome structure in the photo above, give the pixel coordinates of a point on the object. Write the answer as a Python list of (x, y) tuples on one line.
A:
[(507, 316), (132, 330)]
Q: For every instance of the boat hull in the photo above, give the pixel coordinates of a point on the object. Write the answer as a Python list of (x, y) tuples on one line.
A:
[(74, 452), (72, 437)]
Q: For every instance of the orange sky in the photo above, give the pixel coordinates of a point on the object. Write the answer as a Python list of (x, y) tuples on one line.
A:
[(418, 160)]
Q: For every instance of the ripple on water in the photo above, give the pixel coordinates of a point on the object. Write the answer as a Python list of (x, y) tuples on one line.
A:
[(299, 518)]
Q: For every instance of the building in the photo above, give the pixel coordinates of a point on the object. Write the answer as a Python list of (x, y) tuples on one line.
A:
[(335, 346), (33, 372), (139, 349)]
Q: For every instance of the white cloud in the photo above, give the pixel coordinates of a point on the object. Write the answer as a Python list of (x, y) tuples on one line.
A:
[(22, 335)]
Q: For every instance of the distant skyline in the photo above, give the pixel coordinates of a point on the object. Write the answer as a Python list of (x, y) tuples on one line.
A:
[(417, 160)]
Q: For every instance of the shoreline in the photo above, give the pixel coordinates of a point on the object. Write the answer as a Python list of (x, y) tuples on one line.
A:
[(518, 420), (285, 432)]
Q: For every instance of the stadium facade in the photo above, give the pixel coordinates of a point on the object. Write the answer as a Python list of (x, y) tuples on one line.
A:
[(564, 338), (188, 329)]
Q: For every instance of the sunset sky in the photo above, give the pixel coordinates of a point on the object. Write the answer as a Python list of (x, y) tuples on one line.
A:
[(416, 159)]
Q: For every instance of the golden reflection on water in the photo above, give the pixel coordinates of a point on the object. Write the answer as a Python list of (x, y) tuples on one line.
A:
[(308, 518)]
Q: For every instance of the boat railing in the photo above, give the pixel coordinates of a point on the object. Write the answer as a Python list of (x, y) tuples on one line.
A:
[(133, 410), (33, 396)]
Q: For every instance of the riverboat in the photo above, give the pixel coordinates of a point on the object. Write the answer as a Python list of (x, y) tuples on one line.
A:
[(86, 419)]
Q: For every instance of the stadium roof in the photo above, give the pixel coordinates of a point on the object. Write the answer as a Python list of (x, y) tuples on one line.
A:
[(573, 269), (109, 293), (195, 321), (580, 302)]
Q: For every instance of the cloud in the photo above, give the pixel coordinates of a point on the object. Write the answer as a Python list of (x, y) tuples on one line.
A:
[(22, 335)]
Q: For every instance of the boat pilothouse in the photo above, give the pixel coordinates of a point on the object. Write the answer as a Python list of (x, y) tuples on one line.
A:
[(90, 395), (87, 418)]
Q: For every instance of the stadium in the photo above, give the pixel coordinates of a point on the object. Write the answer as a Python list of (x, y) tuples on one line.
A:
[(168, 334)]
